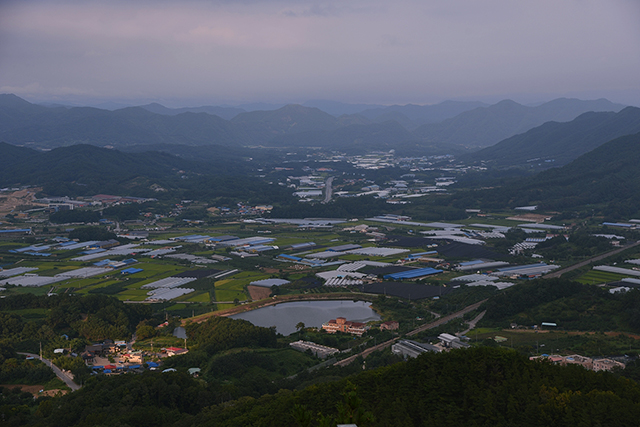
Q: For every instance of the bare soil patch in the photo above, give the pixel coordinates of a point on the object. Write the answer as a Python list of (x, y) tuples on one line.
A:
[(10, 201), (258, 292)]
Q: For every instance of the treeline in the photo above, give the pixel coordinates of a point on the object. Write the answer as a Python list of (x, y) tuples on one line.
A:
[(76, 215), (81, 318), (344, 207), (477, 386), (571, 305), (219, 334), (15, 369)]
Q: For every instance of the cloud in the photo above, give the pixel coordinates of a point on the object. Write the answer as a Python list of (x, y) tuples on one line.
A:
[(409, 50)]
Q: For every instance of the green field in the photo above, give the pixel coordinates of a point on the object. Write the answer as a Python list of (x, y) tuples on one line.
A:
[(229, 290), (595, 277), (199, 297)]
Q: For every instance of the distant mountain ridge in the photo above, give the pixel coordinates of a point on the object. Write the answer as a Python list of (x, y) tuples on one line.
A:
[(23, 123), (486, 126), (226, 113), (560, 143)]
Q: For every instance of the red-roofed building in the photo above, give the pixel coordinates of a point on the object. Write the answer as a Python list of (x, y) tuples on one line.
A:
[(341, 324), (391, 325)]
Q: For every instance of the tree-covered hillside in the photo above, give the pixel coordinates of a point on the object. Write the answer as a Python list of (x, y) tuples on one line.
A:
[(480, 386)]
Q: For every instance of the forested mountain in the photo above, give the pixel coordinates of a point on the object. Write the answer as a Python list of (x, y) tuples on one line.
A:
[(411, 116), (86, 170), (560, 143), (352, 138), (483, 127), (226, 113), (606, 179), (263, 126)]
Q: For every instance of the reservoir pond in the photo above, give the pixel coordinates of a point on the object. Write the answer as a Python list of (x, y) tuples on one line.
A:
[(287, 315)]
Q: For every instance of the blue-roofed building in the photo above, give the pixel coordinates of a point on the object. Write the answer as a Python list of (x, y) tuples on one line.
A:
[(619, 224), (474, 262), (132, 270), (16, 231), (93, 251), (412, 274), (421, 254), (285, 257)]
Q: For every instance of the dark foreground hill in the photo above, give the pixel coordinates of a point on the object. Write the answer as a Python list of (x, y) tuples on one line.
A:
[(475, 387)]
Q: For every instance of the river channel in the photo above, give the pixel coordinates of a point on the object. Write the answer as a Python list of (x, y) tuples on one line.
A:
[(287, 315)]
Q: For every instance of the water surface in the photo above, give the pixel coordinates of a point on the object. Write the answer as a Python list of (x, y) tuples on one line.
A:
[(286, 316)]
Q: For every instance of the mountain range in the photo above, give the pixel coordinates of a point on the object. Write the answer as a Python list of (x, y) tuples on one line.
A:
[(23, 123)]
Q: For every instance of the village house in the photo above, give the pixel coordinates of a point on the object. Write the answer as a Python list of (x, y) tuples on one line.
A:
[(390, 325)]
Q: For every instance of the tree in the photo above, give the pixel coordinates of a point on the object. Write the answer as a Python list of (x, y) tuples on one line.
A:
[(300, 327)]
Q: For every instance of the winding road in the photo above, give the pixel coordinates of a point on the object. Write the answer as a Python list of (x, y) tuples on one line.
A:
[(68, 381)]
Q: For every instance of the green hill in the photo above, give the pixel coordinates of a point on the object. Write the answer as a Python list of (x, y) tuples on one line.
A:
[(606, 179), (85, 170), (262, 126)]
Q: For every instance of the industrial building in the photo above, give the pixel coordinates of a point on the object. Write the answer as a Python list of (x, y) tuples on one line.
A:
[(409, 348), (318, 350)]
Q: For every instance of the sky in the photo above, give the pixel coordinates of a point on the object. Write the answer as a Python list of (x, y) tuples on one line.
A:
[(196, 52)]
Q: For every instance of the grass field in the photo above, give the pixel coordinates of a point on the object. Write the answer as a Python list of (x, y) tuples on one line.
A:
[(595, 277), (202, 297)]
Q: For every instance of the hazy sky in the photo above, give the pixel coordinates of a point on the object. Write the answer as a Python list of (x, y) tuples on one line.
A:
[(189, 52)]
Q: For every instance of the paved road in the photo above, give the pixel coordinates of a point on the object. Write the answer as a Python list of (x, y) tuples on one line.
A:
[(443, 320), (472, 324), (327, 190), (440, 321), (68, 381), (560, 272)]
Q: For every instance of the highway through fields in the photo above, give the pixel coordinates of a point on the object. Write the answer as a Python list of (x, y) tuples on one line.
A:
[(560, 272)]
